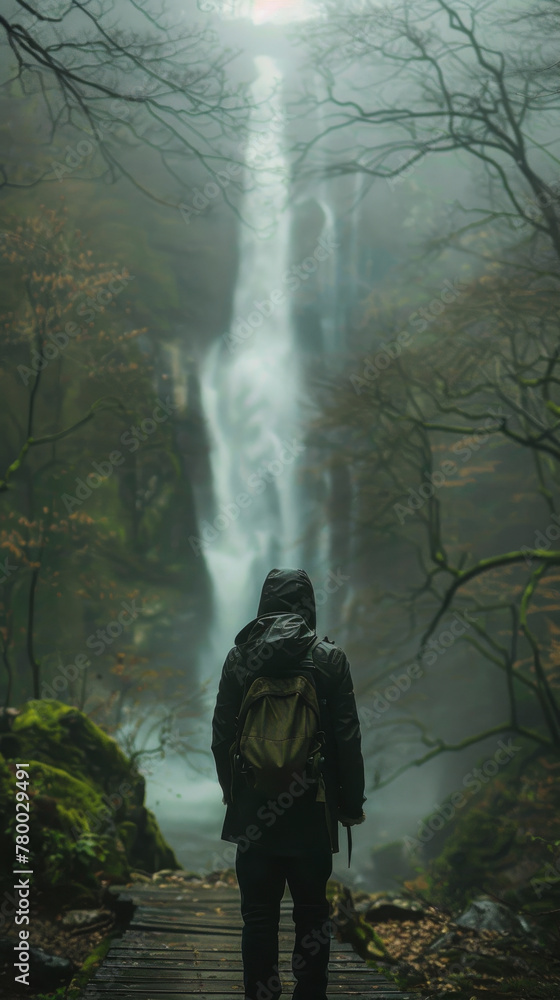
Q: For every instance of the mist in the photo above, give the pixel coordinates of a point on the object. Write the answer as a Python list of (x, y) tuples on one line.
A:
[(330, 342)]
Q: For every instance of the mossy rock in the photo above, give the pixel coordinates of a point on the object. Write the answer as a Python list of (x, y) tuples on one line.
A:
[(87, 818), (149, 851), (60, 735)]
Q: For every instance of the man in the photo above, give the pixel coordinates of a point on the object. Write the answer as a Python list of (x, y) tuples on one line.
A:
[(290, 838)]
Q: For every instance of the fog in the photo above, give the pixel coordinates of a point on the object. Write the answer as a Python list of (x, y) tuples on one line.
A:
[(315, 196)]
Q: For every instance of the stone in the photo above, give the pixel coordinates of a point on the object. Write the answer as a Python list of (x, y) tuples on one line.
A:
[(45, 970), (382, 906), (84, 918), (487, 914), (394, 909), (164, 873), (445, 941), (7, 716), (49, 970)]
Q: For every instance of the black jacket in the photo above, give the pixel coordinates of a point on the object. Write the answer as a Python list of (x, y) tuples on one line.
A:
[(285, 627)]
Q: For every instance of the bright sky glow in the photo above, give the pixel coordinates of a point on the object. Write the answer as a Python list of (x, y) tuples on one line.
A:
[(281, 11), (270, 11)]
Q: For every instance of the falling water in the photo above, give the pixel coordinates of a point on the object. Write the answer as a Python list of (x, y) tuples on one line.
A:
[(249, 388)]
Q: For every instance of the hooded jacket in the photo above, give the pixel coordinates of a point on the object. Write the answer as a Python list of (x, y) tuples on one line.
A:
[(280, 636)]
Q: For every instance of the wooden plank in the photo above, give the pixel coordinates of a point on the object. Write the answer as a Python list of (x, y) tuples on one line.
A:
[(195, 891), (111, 989), (194, 914), (134, 973), (203, 989), (138, 967), (131, 930), (192, 902), (165, 924), (185, 942), (207, 946), (383, 992), (215, 962), (218, 984), (159, 961), (208, 919), (171, 942), (195, 902), (217, 923), (200, 908), (172, 926)]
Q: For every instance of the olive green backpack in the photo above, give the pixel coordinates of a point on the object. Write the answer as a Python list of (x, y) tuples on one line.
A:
[(279, 734)]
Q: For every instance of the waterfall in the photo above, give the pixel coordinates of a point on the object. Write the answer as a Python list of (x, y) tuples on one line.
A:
[(249, 388)]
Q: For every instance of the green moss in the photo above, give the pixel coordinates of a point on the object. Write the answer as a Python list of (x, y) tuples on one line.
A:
[(60, 735), (60, 784), (92, 962), (87, 817), (367, 942), (127, 834), (72, 831), (351, 926), (150, 852), (59, 994)]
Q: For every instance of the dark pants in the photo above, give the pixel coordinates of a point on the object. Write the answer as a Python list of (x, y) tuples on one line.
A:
[(262, 879)]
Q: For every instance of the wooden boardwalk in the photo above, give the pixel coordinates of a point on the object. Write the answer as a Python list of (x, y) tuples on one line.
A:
[(187, 941)]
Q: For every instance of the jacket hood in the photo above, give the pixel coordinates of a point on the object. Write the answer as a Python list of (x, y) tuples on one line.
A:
[(285, 626), (288, 590), (275, 641)]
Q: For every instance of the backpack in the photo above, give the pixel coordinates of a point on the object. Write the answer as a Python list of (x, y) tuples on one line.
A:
[(279, 736)]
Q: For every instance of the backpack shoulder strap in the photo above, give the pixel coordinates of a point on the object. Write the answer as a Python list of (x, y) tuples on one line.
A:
[(308, 658), (308, 663)]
